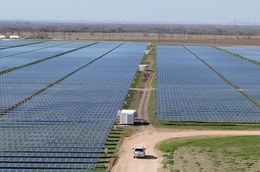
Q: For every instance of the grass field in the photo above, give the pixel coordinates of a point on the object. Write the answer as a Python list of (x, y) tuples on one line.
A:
[(212, 154), (177, 39)]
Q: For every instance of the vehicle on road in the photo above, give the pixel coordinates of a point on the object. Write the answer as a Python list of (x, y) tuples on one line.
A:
[(139, 152)]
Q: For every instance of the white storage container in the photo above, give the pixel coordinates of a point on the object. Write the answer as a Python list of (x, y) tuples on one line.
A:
[(128, 116), (143, 67)]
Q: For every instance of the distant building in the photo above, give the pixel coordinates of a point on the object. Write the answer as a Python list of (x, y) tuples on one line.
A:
[(2, 36), (14, 37)]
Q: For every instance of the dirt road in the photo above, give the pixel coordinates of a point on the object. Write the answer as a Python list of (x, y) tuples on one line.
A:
[(146, 91), (150, 139)]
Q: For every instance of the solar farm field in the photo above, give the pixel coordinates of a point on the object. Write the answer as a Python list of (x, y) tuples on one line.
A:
[(57, 113), (251, 53), (10, 44), (200, 83)]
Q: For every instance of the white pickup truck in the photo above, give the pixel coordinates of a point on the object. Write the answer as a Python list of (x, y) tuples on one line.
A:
[(139, 151)]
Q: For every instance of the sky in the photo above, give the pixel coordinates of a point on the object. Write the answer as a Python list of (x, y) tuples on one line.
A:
[(168, 11)]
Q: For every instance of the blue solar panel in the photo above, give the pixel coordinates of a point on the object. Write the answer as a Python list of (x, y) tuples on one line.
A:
[(32, 56), (47, 166), (49, 160), (74, 117), (240, 72), (190, 91), (48, 170), (251, 53), (13, 43)]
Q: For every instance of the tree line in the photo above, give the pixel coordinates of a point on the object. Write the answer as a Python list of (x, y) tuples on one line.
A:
[(190, 29)]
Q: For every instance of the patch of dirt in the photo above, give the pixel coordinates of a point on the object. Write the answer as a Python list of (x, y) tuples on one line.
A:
[(255, 167), (192, 159)]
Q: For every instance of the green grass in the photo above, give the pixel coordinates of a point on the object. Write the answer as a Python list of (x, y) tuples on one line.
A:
[(133, 100), (233, 152), (144, 60), (137, 80)]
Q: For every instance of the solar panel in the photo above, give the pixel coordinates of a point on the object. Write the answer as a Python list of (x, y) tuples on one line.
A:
[(241, 73), (190, 91), (31, 56), (251, 53), (46, 166), (48, 170), (73, 118), (48, 160), (13, 43)]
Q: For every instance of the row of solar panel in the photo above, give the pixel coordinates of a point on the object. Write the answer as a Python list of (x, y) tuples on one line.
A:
[(35, 170), (24, 49), (35, 46), (72, 150), (66, 133), (60, 124), (40, 154), (18, 141), (52, 160), (16, 131), (4, 136), (13, 43), (53, 145), (32, 56), (43, 165)]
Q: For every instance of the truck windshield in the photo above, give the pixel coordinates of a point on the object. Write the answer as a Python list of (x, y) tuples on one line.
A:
[(139, 150)]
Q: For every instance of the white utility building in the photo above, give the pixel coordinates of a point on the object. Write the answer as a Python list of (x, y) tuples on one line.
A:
[(127, 116), (143, 67)]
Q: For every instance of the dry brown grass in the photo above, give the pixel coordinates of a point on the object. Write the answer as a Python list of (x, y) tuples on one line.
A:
[(176, 39)]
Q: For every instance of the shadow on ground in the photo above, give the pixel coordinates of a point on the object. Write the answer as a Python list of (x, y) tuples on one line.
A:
[(150, 157), (141, 123)]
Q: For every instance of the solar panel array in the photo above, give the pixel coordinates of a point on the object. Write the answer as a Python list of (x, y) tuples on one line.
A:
[(50, 49), (13, 43), (252, 53), (188, 90), (66, 126), (240, 72), (27, 48)]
